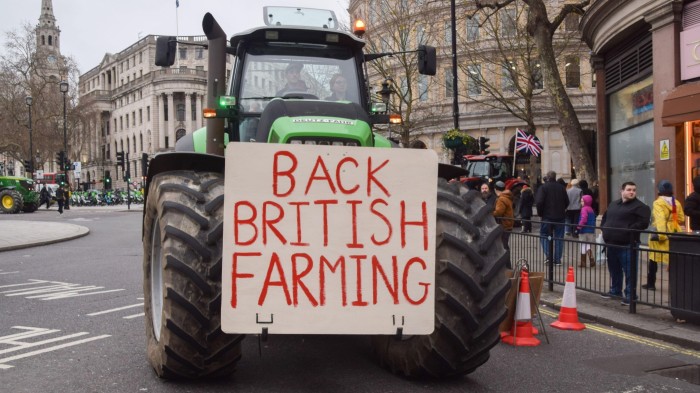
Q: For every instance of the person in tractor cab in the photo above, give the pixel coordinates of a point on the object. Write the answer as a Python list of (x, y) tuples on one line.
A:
[(339, 88), (294, 81)]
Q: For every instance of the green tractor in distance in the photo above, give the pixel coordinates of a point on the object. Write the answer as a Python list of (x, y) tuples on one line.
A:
[(184, 221), (17, 194)]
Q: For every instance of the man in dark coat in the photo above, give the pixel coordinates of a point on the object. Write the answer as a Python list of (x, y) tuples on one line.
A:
[(527, 200), (551, 201), (621, 224), (691, 207), (60, 198)]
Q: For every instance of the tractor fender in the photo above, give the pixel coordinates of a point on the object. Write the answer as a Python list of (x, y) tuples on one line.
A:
[(176, 161), (448, 172)]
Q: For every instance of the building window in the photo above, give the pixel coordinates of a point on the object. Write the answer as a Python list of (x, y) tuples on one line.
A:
[(179, 134), (536, 76), (167, 142), (165, 108), (121, 123), (141, 142), (50, 40), (573, 72), (571, 22), (473, 29), (148, 113), (449, 82), (140, 116), (423, 88), (183, 53), (127, 121), (199, 53), (133, 118), (180, 109), (474, 80), (507, 16), (507, 83), (133, 139), (140, 57), (448, 33)]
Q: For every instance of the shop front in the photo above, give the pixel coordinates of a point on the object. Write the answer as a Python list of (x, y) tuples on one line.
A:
[(648, 93)]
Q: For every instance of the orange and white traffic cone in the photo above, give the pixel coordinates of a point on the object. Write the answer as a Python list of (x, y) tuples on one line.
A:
[(568, 316), (521, 332)]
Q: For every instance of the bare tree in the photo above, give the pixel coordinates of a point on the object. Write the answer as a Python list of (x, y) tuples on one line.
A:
[(400, 26), (23, 73), (543, 30)]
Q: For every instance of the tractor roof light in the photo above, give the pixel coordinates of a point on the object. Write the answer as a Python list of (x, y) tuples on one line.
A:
[(359, 28), (209, 113), (395, 118)]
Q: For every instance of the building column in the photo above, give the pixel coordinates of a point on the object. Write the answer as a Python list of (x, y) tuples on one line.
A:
[(160, 128), (171, 121), (546, 164), (502, 140), (188, 109), (598, 65), (665, 38), (200, 105)]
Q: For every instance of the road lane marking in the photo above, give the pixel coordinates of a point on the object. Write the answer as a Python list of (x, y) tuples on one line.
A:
[(631, 337), (13, 340), (114, 310), (1, 272), (52, 290), (134, 316)]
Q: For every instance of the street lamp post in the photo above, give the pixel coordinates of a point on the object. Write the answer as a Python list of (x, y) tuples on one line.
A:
[(29, 100), (64, 89)]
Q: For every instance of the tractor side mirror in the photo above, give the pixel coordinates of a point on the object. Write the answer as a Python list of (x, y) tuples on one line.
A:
[(166, 46), (427, 60)]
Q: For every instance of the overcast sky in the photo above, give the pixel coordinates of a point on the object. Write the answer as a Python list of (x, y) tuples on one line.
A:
[(91, 28)]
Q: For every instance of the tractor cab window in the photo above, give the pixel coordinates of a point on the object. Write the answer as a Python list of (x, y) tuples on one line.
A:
[(478, 168)]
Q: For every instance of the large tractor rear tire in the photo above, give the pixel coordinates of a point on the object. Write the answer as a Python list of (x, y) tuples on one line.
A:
[(10, 201), (182, 238), (470, 291)]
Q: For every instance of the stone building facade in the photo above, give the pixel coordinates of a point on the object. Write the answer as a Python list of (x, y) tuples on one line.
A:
[(139, 108), (430, 23)]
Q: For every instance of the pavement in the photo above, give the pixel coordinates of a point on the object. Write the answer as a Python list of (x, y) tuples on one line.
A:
[(650, 322)]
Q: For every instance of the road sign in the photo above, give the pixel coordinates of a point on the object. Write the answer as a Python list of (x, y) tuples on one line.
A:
[(328, 239), (39, 174)]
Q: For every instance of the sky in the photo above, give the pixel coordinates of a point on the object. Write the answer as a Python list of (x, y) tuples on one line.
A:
[(92, 28)]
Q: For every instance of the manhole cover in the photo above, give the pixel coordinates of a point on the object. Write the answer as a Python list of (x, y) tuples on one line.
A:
[(689, 373)]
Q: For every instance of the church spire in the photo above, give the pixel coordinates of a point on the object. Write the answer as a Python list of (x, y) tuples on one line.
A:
[(47, 32)]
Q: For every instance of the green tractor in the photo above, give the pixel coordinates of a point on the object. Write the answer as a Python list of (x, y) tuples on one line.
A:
[(267, 105), (17, 194)]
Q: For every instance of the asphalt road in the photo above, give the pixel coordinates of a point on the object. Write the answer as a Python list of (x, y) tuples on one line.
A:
[(71, 320)]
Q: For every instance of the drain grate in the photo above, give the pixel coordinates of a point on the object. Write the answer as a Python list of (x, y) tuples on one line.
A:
[(689, 373)]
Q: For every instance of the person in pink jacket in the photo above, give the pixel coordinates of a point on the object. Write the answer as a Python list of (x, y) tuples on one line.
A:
[(586, 230)]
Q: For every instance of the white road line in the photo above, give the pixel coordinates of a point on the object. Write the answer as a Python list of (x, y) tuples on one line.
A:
[(49, 349), (63, 295), (31, 333), (114, 309), (33, 282), (134, 316), (8, 272), (18, 345)]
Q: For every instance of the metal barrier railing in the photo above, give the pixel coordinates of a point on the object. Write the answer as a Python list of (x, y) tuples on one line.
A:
[(677, 284)]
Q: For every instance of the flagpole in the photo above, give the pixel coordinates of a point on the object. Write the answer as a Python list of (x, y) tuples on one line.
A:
[(515, 151), (177, 29)]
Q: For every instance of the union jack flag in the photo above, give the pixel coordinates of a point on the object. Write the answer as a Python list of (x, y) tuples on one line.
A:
[(527, 143)]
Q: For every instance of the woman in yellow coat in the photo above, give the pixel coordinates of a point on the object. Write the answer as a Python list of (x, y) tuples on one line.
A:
[(666, 216)]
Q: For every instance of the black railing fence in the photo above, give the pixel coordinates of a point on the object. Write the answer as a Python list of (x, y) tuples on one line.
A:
[(677, 283)]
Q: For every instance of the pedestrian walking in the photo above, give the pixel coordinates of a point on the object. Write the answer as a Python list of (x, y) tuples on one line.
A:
[(586, 230), (45, 196), (527, 200), (60, 198), (621, 224), (573, 210), (503, 211), (551, 201), (692, 206), (666, 216)]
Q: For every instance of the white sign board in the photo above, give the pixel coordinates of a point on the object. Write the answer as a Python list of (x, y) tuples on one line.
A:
[(328, 240), (77, 166), (39, 174)]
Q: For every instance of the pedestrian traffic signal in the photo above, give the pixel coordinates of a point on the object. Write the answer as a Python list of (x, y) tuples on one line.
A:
[(59, 159), (120, 159), (144, 164), (484, 145), (66, 164)]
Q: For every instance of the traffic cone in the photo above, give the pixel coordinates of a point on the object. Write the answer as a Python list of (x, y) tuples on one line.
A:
[(568, 316), (521, 332)]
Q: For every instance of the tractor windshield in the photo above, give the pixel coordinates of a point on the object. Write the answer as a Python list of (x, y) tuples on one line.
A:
[(271, 72), (496, 169)]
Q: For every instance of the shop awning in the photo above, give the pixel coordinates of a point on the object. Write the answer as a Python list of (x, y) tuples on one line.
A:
[(682, 104)]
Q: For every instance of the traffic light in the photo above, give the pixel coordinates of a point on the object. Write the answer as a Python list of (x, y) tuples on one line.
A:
[(144, 164), (59, 159), (108, 182), (66, 164), (120, 159), (484, 145), (28, 166)]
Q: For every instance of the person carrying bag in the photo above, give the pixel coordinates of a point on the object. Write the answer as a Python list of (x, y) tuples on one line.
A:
[(667, 216)]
